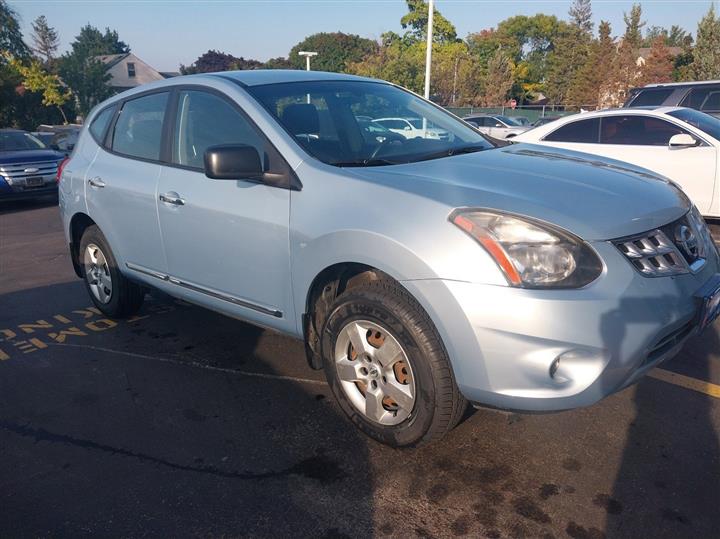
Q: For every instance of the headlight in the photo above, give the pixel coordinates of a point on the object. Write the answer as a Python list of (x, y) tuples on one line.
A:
[(529, 253)]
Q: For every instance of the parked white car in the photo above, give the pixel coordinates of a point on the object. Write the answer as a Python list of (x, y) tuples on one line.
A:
[(497, 126), (411, 128), (682, 144)]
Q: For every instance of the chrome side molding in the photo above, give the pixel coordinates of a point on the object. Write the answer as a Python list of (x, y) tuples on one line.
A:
[(208, 292)]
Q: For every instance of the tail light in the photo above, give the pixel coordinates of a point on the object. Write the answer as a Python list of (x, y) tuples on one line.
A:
[(61, 167)]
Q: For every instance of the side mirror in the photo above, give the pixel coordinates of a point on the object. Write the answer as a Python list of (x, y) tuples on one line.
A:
[(407, 128), (682, 140), (232, 162)]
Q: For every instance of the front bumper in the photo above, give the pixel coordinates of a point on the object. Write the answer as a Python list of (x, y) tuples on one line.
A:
[(545, 350), (20, 191)]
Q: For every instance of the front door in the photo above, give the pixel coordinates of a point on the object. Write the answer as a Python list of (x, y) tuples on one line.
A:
[(226, 241)]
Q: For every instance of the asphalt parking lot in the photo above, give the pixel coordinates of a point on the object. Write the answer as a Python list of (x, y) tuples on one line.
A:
[(180, 422)]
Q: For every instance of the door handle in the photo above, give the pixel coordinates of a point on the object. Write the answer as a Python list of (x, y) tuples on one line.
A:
[(172, 198), (96, 182)]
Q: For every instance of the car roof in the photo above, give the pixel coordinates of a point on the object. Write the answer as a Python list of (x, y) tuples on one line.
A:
[(677, 84), (257, 77)]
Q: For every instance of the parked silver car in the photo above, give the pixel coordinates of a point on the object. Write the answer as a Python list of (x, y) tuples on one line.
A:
[(421, 273)]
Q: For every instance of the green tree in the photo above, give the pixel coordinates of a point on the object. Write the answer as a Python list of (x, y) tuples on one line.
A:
[(36, 79), (706, 55), (11, 39), (45, 39), (82, 72), (417, 21), (592, 86), (499, 80), (335, 51), (564, 64), (633, 26), (581, 15)]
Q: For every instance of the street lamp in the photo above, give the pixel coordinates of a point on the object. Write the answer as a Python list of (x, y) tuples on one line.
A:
[(307, 55)]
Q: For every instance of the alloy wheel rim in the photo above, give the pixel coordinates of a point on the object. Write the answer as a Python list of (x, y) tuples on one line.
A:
[(374, 372), (97, 273)]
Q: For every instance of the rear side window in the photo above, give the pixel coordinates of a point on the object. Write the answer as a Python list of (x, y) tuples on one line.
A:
[(651, 98), (712, 102), (205, 120), (138, 130), (637, 130), (585, 131), (99, 125)]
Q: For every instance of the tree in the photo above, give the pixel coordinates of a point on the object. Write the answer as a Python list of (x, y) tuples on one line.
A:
[(658, 65), (278, 63), (593, 85), (45, 39), (92, 42), (335, 51), (581, 15), (213, 61), (706, 55), (82, 72), (11, 39), (499, 80), (417, 21), (633, 26), (36, 79), (567, 59)]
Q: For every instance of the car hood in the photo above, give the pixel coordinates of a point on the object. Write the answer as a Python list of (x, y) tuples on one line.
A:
[(29, 156), (592, 197)]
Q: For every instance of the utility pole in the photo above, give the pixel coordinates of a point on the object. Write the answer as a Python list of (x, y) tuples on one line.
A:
[(428, 53), (307, 55)]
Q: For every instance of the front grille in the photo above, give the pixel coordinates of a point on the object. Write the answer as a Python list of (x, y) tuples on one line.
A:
[(673, 249), (17, 175)]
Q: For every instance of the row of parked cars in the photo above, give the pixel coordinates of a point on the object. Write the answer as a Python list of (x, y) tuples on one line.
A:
[(424, 264), (29, 161)]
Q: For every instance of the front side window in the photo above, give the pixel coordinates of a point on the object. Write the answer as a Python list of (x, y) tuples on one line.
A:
[(712, 103), (204, 120), (583, 131), (696, 97), (326, 119), (138, 130), (637, 130)]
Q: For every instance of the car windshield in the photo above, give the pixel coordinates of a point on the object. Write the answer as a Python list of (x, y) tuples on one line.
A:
[(331, 120), (11, 141), (704, 122)]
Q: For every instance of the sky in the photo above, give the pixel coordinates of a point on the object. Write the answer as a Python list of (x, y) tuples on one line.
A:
[(167, 33)]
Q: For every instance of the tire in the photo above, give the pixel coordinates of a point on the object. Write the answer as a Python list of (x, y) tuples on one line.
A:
[(111, 292), (414, 386)]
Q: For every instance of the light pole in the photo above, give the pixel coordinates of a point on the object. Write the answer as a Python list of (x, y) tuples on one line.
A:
[(428, 58), (307, 55)]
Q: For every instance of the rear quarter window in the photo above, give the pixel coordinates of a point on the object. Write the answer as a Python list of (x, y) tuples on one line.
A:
[(99, 125), (584, 131)]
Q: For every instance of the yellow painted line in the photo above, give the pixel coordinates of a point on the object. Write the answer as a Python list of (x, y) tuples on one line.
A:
[(713, 390)]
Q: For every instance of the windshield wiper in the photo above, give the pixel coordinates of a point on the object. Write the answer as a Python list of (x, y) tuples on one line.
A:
[(453, 151), (363, 163)]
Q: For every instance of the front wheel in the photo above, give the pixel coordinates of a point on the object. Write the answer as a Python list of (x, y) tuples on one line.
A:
[(111, 292), (387, 366)]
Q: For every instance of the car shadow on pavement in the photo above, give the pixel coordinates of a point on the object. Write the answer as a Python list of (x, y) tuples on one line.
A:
[(172, 423), (15, 206), (668, 479)]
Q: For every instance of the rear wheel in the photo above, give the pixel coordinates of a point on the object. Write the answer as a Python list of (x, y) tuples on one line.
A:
[(111, 292), (387, 366)]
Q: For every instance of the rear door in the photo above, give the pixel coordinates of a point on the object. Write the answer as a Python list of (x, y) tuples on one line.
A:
[(121, 184), (226, 241)]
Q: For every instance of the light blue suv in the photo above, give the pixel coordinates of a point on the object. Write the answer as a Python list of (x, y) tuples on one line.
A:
[(421, 273)]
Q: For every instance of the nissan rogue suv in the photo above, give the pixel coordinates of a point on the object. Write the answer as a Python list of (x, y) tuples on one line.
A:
[(422, 273)]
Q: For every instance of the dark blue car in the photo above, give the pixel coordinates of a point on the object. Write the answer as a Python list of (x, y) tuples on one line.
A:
[(28, 168)]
